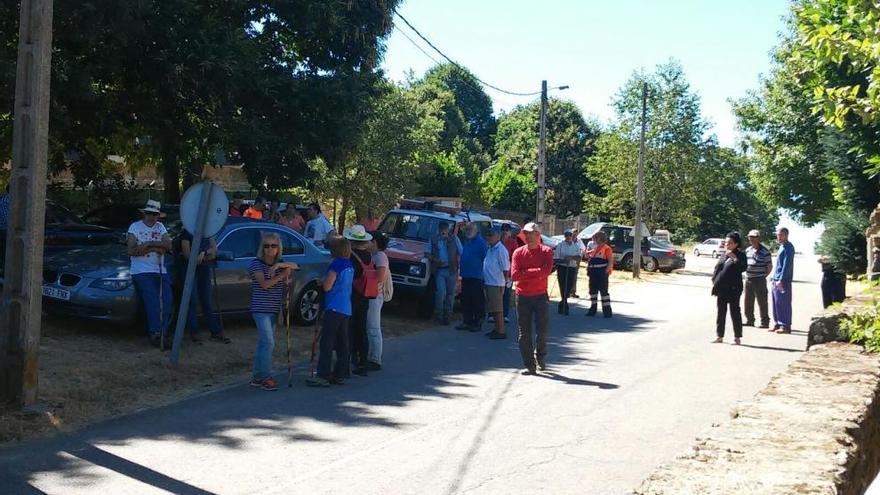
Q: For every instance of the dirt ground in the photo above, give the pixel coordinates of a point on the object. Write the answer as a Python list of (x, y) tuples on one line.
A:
[(91, 372)]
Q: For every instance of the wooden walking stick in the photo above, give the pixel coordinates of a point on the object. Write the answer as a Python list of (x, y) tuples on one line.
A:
[(287, 323)]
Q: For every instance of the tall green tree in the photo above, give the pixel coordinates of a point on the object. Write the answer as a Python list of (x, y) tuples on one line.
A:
[(838, 42), (571, 140), (676, 173), (171, 83), (470, 98), (395, 149)]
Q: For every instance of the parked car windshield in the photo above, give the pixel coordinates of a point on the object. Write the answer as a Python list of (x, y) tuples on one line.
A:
[(409, 226)]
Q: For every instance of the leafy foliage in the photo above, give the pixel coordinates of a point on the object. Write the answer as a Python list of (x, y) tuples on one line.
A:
[(571, 140), (838, 41), (863, 327), (509, 189), (676, 167), (843, 240)]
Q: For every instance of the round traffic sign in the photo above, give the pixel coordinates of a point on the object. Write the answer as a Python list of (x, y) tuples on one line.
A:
[(218, 208)]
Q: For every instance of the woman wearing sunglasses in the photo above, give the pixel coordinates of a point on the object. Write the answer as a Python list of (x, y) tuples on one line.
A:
[(269, 274)]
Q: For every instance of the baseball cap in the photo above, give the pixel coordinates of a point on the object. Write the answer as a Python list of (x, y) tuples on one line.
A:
[(754, 233), (531, 227)]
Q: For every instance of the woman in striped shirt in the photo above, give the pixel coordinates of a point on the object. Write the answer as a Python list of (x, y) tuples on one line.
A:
[(269, 274)]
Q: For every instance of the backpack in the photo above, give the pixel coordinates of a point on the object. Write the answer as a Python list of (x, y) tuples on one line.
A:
[(367, 284)]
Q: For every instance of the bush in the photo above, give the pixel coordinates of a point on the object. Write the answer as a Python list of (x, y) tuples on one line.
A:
[(863, 327), (844, 241)]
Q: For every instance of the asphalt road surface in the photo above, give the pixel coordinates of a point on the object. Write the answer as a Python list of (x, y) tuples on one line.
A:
[(450, 412)]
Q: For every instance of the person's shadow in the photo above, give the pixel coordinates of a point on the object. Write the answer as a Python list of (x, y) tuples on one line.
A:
[(577, 381)]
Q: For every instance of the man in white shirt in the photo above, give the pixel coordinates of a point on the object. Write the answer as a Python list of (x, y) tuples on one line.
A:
[(496, 276), (567, 256), (318, 228), (148, 242)]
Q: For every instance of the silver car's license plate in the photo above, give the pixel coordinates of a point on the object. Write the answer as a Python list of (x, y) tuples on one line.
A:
[(56, 293)]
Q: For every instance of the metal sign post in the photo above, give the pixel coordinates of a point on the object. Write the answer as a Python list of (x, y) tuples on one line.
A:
[(212, 212)]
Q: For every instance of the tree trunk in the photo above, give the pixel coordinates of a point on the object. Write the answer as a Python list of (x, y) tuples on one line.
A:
[(171, 175), (343, 211)]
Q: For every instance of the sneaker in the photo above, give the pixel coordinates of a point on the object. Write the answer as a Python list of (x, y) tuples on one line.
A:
[(764, 325), (317, 381), (371, 366), (256, 382), (269, 384), (528, 372), (784, 330)]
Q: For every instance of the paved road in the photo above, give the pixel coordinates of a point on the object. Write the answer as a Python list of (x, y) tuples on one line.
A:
[(450, 413)]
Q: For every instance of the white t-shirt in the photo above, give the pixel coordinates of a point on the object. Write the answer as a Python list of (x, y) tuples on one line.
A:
[(149, 263), (317, 229)]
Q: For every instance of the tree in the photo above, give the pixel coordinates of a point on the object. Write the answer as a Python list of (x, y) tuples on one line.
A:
[(176, 81), (398, 141), (571, 141), (509, 189), (838, 42), (676, 171), (473, 102)]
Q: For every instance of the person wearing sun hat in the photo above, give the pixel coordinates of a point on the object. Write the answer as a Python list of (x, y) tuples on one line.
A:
[(148, 242), (362, 261)]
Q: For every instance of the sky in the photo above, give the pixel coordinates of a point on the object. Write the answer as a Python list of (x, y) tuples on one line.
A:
[(594, 46)]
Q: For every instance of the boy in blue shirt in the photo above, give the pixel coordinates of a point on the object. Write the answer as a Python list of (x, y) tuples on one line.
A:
[(337, 313)]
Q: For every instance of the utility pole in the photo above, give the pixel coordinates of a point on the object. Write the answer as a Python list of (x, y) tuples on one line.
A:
[(640, 179), (21, 303), (542, 156)]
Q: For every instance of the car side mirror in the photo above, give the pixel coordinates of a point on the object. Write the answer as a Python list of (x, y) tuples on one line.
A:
[(225, 256)]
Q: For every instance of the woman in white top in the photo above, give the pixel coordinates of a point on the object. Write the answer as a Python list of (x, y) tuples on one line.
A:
[(374, 314)]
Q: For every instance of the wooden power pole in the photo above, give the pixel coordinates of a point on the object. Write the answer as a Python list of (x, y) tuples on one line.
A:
[(21, 302), (542, 159), (640, 186)]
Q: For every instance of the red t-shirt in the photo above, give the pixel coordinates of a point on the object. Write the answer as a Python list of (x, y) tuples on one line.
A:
[(530, 268), (511, 245), (253, 213)]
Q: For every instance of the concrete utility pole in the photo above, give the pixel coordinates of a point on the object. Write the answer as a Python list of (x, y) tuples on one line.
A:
[(21, 303), (640, 179), (542, 156)]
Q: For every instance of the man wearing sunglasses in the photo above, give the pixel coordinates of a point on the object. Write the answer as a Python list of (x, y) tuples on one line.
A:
[(148, 242)]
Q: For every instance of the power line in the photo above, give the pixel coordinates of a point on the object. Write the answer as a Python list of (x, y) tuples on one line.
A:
[(456, 64), (401, 31)]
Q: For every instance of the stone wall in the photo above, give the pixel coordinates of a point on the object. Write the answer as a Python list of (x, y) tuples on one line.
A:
[(815, 429), (873, 237)]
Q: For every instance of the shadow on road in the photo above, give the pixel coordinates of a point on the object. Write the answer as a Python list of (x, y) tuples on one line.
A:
[(432, 365), (771, 348)]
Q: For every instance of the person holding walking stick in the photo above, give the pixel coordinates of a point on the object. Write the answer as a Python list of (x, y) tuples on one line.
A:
[(269, 274), (202, 289), (567, 256), (147, 242)]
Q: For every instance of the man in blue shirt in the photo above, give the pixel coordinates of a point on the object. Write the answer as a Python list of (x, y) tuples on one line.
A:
[(473, 253), (496, 277), (781, 281), (444, 250)]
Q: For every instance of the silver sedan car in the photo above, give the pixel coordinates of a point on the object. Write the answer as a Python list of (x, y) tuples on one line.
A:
[(95, 283)]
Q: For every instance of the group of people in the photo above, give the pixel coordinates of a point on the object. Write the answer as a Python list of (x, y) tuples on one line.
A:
[(757, 264), (312, 223)]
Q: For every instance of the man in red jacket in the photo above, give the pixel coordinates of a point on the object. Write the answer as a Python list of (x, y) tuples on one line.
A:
[(530, 267)]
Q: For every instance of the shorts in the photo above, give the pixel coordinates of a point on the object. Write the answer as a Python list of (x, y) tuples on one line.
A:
[(494, 299)]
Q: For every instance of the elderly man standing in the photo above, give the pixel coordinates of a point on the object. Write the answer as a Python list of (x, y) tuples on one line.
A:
[(148, 242), (782, 279), (496, 276), (760, 264), (532, 264), (473, 305), (444, 250)]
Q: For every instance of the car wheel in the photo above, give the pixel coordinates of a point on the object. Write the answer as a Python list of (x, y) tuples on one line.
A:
[(308, 305), (696, 252), (627, 263), (651, 264), (716, 254)]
